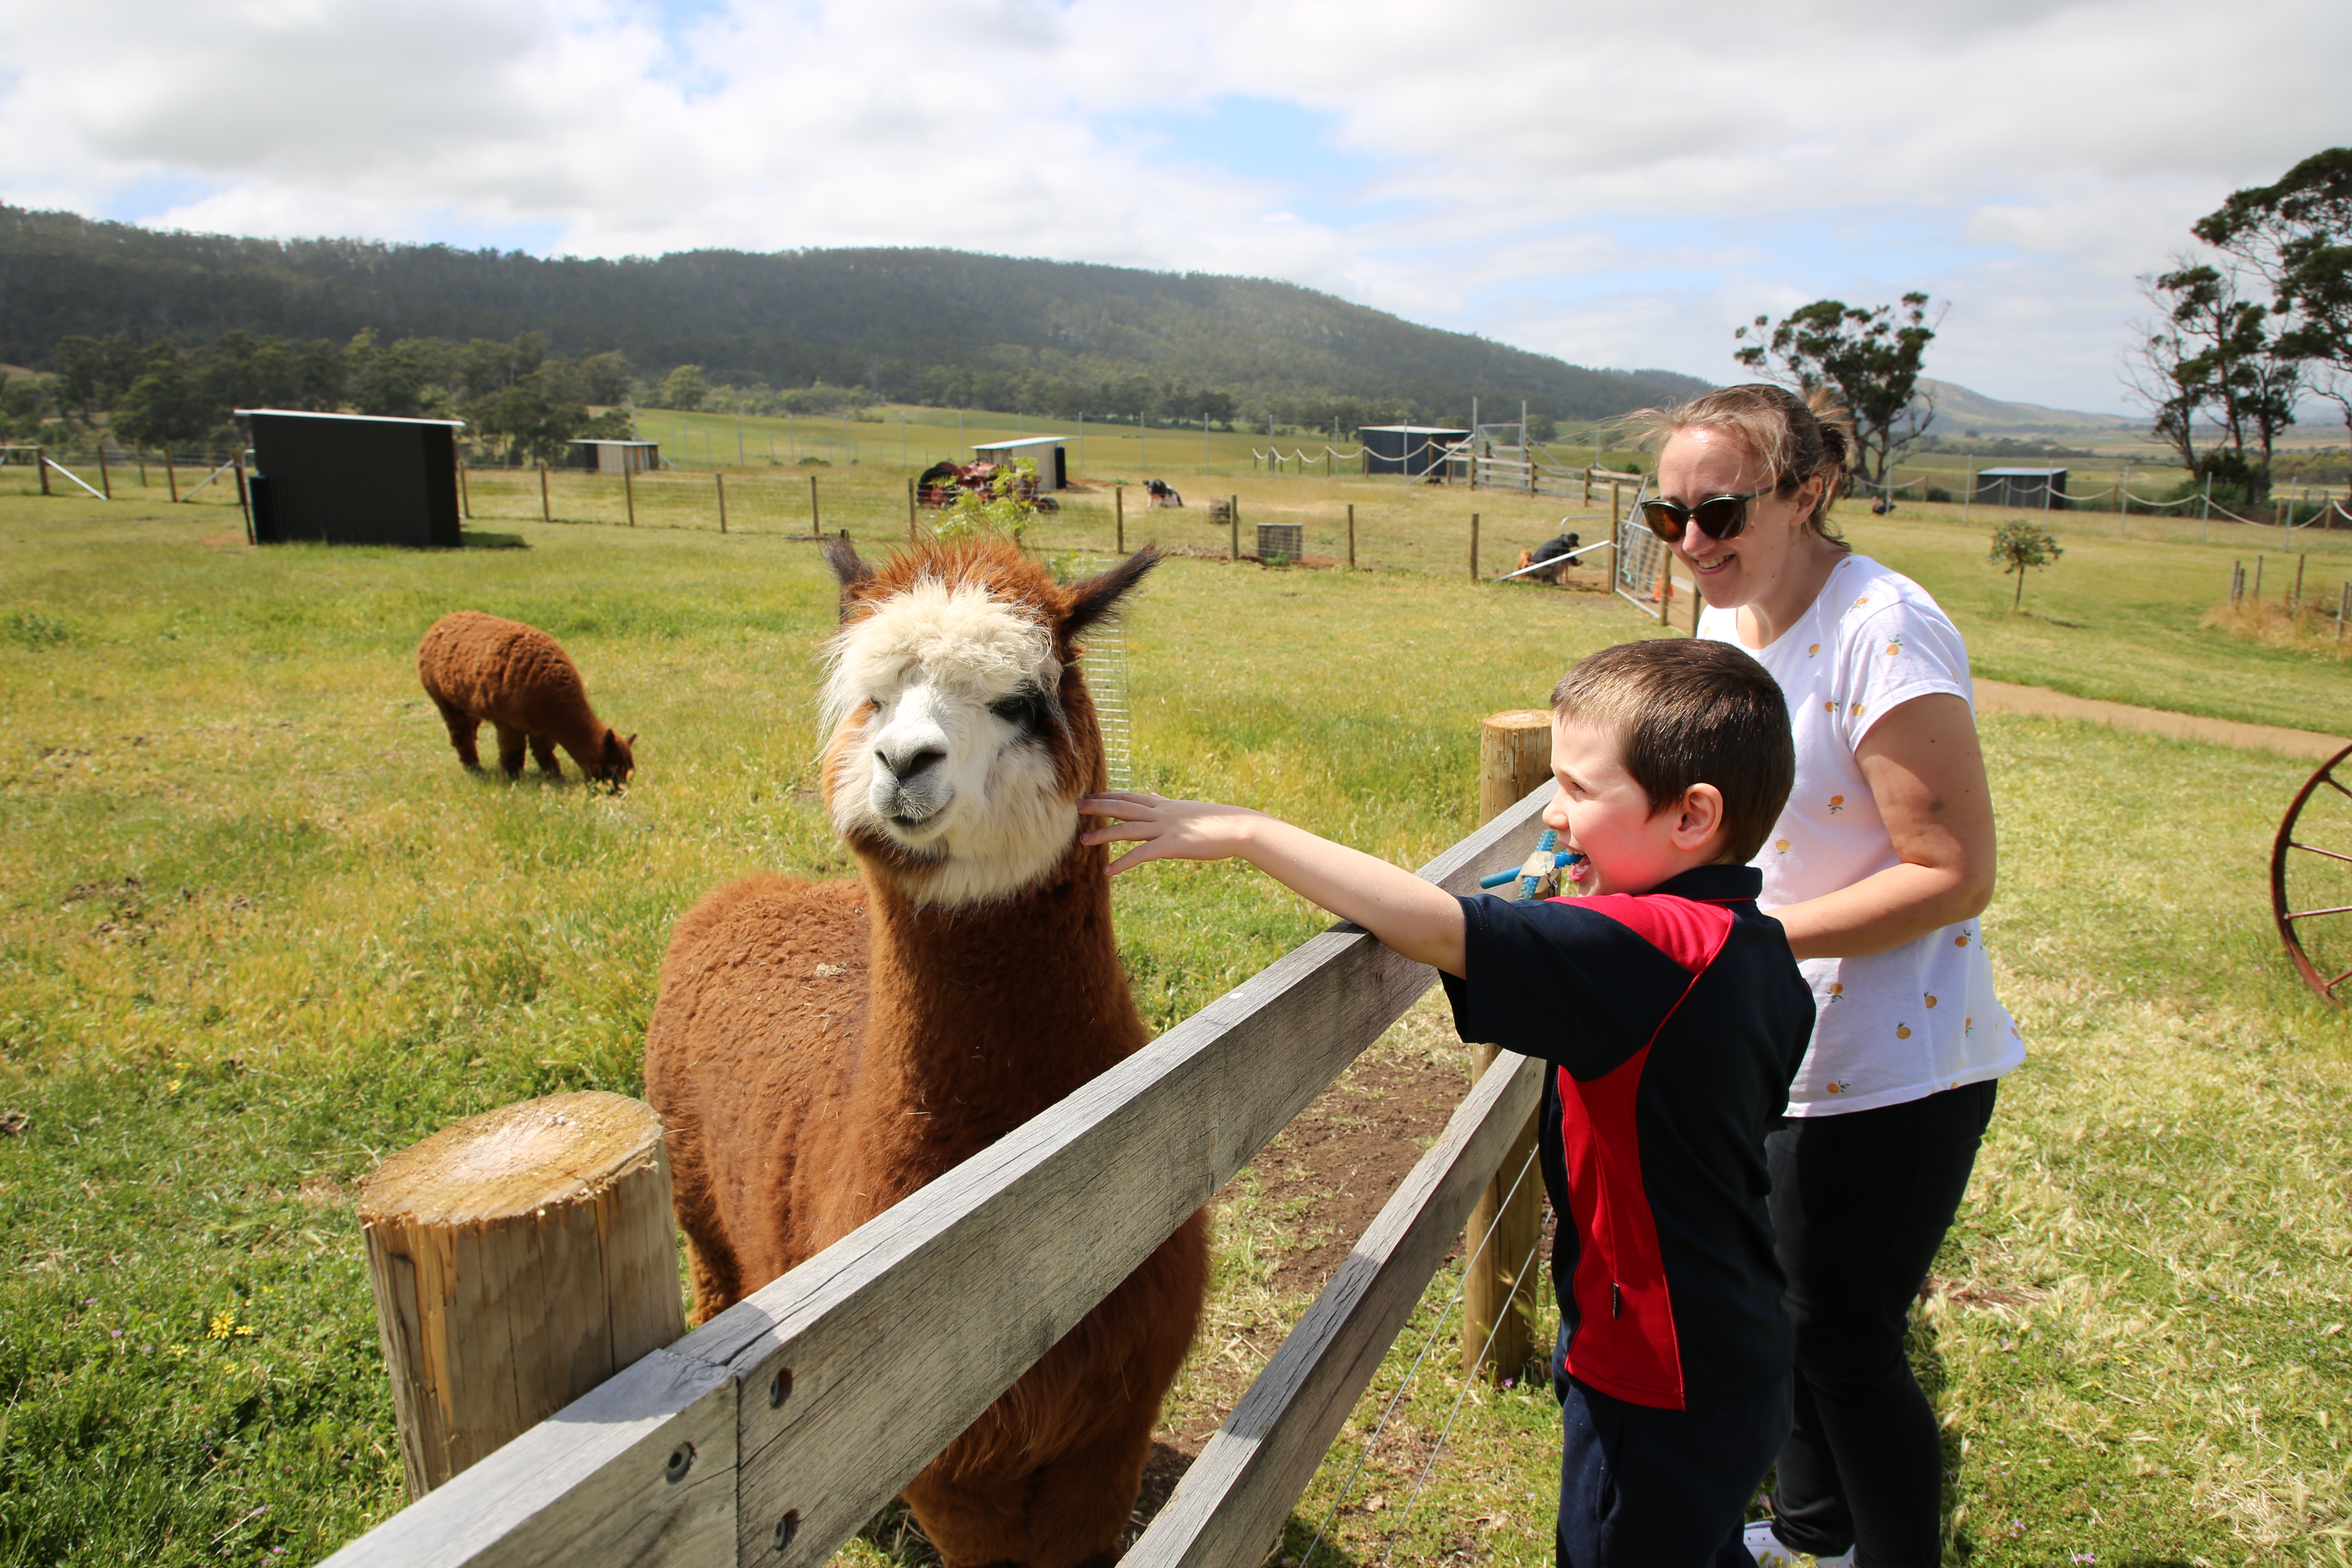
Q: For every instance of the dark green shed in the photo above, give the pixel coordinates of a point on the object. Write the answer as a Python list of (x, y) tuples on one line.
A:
[(353, 479)]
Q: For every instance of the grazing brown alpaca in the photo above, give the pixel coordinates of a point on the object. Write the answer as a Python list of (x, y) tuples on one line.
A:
[(477, 667), (822, 1049)]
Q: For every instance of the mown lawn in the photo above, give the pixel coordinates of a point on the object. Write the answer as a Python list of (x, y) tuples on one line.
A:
[(256, 929)]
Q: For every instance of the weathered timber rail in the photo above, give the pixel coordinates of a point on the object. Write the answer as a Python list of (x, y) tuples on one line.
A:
[(771, 1434)]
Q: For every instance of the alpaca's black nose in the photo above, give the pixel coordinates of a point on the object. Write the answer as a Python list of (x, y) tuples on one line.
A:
[(910, 763)]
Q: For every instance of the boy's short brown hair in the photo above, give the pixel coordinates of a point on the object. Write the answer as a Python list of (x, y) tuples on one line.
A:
[(1686, 711)]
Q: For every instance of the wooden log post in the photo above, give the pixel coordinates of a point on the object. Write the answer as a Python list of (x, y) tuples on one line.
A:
[(171, 475), (41, 467), (816, 527), (465, 491), (1233, 517), (105, 480), (1118, 518), (518, 1258), (1498, 1334), (718, 480), (629, 488), (244, 499), (546, 508), (910, 509), (1352, 536), (1474, 567)]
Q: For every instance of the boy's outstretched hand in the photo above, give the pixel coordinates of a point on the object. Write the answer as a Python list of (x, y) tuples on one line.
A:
[(1164, 829), (1422, 921)]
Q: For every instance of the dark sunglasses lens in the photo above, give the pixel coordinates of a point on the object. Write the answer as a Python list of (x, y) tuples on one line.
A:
[(1665, 519), (1721, 517)]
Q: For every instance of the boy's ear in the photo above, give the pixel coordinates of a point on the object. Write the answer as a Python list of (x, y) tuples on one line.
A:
[(1698, 817)]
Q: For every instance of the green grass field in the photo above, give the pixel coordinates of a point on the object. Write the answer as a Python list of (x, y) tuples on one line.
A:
[(257, 929)]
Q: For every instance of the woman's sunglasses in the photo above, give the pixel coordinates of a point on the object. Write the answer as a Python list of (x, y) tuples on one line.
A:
[(1718, 517)]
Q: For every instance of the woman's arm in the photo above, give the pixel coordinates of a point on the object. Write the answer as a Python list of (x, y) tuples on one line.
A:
[(1414, 918), (1928, 776)]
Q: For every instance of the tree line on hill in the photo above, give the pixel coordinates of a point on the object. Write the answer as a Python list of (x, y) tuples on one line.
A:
[(938, 327), (516, 400)]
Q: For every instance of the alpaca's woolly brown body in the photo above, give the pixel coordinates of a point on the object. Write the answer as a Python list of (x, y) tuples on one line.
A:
[(478, 669), (821, 1050)]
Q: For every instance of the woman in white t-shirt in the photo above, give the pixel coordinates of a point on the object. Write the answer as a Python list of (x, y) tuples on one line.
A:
[(1878, 868)]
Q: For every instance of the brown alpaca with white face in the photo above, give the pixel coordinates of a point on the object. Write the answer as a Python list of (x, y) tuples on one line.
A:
[(822, 1049)]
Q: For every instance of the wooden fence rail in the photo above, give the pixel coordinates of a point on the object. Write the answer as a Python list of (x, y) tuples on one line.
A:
[(772, 1433)]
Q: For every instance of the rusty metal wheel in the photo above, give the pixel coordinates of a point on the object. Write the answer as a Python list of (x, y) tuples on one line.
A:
[(2311, 878)]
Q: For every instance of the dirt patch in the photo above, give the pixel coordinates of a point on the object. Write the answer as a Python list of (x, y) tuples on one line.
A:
[(1305, 1199), (2040, 702), (1338, 1163)]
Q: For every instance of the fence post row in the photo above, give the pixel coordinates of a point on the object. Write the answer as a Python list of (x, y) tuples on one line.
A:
[(772, 1433)]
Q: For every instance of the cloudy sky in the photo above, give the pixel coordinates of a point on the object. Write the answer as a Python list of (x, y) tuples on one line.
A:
[(1619, 188)]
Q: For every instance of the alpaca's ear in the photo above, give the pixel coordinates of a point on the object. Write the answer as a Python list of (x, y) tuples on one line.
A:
[(1099, 596), (853, 574)]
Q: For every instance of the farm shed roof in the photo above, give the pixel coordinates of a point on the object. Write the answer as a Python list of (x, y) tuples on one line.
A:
[(1418, 429), (367, 419), (1023, 441), (2022, 473), (600, 441)]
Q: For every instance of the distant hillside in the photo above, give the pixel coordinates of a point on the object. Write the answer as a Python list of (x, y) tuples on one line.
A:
[(933, 326), (1958, 410)]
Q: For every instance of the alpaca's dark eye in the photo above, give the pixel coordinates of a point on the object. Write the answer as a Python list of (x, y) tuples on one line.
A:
[(1025, 709)]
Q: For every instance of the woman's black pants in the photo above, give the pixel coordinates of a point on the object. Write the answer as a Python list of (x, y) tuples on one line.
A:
[(1860, 1203)]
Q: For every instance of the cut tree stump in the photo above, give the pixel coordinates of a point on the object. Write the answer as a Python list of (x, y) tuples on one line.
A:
[(519, 1258)]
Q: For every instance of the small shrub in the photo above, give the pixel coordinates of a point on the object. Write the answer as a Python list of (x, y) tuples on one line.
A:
[(2018, 544), (816, 462), (1939, 493), (1003, 510)]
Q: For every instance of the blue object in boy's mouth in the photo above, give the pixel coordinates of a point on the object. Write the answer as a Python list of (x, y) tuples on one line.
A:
[(1565, 859)]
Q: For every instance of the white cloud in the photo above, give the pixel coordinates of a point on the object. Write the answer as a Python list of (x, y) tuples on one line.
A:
[(1618, 187)]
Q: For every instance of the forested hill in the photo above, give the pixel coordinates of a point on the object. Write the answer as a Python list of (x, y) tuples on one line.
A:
[(933, 326)]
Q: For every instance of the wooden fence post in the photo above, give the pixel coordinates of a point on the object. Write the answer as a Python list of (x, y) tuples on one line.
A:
[(817, 529), (1514, 757), (2295, 600), (718, 478), (1118, 518), (465, 491), (105, 480), (244, 497), (518, 1259), (1352, 536), (629, 489), (1473, 568), (1234, 516), (546, 508), (41, 467), (171, 475)]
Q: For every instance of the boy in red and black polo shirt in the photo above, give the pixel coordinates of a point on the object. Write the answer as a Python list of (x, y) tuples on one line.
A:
[(1675, 1016)]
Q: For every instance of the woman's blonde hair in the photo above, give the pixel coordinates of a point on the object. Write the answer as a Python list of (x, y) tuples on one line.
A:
[(1799, 438)]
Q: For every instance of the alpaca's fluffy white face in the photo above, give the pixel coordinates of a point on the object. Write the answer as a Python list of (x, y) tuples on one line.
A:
[(941, 705)]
